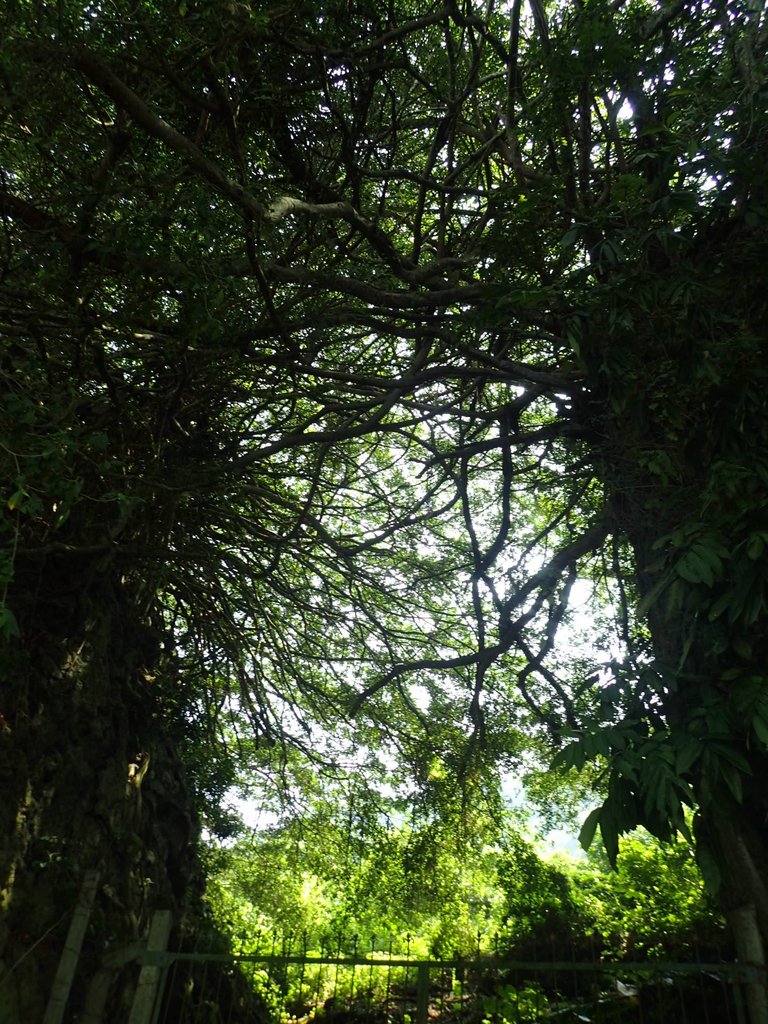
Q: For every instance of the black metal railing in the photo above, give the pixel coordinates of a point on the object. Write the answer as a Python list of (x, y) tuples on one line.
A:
[(219, 988)]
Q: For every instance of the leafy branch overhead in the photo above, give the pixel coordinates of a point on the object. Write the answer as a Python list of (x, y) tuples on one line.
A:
[(420, 303)]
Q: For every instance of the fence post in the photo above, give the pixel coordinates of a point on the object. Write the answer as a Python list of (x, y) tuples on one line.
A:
[(749, 945), (148, 987), (422, 993), (70, 954)]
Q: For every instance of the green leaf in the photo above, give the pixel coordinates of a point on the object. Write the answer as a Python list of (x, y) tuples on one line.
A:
[(9, 627), (570, 237), (571, 756), (610, 835), (760, 728), (17, 499), (755, 547), (588, 829), (723, 602), (732, 756), (688, 753), (649, 600), (693, 568), (743, 648), (710, 869), (732, 779)]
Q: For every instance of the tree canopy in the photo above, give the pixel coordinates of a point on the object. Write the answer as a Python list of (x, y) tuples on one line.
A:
[(339, 343)]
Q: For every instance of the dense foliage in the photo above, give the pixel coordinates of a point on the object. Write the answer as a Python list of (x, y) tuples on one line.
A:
[(340, 349), (310, 889), (426, 890)]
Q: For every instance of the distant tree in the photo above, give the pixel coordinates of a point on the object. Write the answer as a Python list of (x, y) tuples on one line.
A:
[(654, 904), (541, 916)]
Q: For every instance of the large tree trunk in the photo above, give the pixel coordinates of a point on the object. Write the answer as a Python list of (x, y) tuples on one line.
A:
[(79, 706), (680, 412), (731, 832), (697, 701)]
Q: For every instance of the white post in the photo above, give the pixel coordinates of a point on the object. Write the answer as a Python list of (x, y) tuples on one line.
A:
[(149, 979), (749, 946), (65, 972)]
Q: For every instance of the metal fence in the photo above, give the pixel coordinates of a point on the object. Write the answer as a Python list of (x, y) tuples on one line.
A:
[(381, 988), (338, 983)]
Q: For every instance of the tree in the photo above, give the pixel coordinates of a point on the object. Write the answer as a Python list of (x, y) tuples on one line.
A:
[(654, 904), (342, 876), (315, 323)]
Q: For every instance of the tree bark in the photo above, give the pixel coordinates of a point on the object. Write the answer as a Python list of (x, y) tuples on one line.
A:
[(77, 710)]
